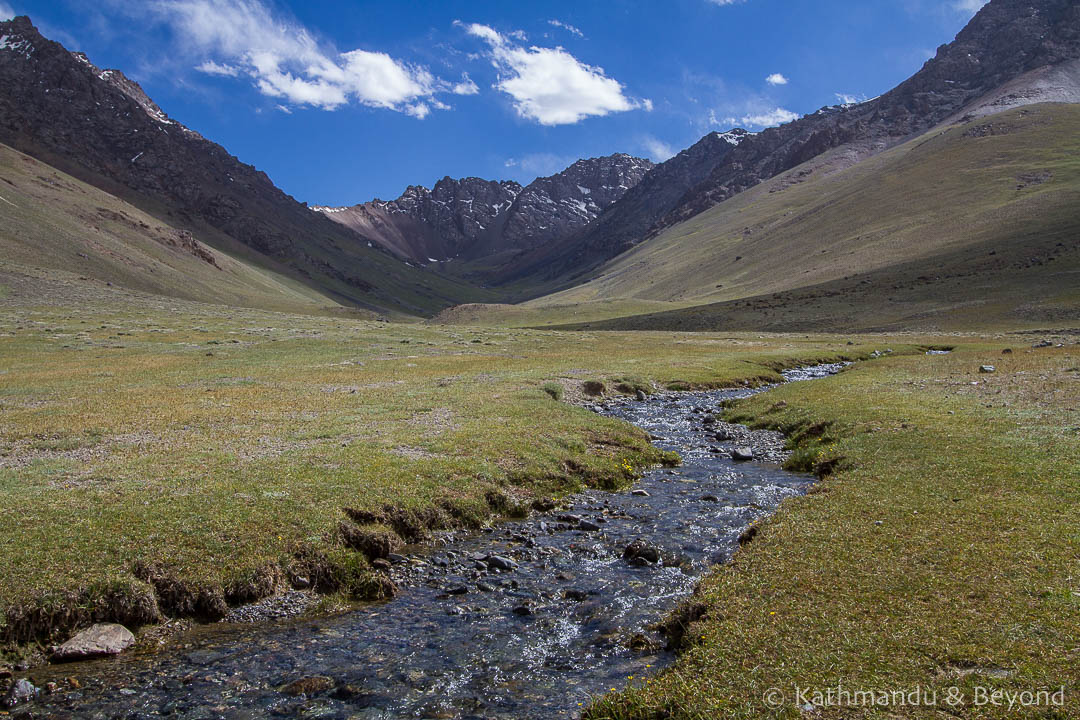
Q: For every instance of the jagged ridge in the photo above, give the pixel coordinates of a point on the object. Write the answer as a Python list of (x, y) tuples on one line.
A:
[(493, 222)]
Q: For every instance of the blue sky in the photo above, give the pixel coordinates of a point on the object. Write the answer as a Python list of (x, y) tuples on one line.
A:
[(340, 101)]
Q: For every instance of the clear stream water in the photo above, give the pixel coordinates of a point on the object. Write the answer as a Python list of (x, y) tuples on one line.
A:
[(535, 641)]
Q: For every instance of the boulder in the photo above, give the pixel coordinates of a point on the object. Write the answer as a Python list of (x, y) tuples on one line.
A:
[(96, 641), (742, 454)]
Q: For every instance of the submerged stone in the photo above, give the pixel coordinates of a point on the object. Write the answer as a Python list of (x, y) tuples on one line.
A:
[(308, 686), (23, 691)]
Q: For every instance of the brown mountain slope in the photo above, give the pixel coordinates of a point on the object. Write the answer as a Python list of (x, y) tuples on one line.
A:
[(1013, 52), (100, 127)]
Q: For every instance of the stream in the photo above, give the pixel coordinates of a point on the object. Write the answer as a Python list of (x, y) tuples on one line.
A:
[(529, 619)]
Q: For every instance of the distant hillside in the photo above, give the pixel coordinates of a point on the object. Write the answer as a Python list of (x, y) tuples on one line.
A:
[(51, 221), (100, 126), (971, 225)]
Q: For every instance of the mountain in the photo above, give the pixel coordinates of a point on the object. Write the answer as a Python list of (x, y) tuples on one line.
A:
[(971, 225), (1003, 58), (493, 225), (613, 231), (99, 126), (1014, 52), (431, 225)]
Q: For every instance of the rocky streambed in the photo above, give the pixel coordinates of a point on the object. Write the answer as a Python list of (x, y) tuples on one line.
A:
[(527, 620)]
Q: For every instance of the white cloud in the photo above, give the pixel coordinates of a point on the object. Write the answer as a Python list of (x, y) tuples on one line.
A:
[(549, 85), (725, 2), (969, 7), (6, 13), (212, 68), (418, 110), (779, 116), (286, 62), (849, 99), (567, 27), (540, 164), (657, 150), (465, 87), (283, 109), (726, 122), (776, 79)]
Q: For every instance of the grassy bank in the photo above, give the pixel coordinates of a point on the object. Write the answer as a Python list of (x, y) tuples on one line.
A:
[(168, 458), (940, 551)]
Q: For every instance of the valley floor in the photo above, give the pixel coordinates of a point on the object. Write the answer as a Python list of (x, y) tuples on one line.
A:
[(160, 457), (163, 458)]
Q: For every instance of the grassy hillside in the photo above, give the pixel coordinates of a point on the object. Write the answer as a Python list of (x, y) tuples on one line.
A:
[(972, 225), (51, 221)]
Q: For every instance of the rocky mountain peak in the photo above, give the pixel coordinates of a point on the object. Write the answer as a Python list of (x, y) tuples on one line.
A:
[(472, 218)]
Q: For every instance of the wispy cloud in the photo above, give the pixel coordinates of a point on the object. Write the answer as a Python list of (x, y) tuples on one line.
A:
[(968, 7), (726, 2), (567, 27), (212, 68), (466, 86), (776, 79), (285, 61), (779, 116), (535, 165), (718, 105), (549, 85), (849, 99), (6, 13), (657, 150)]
